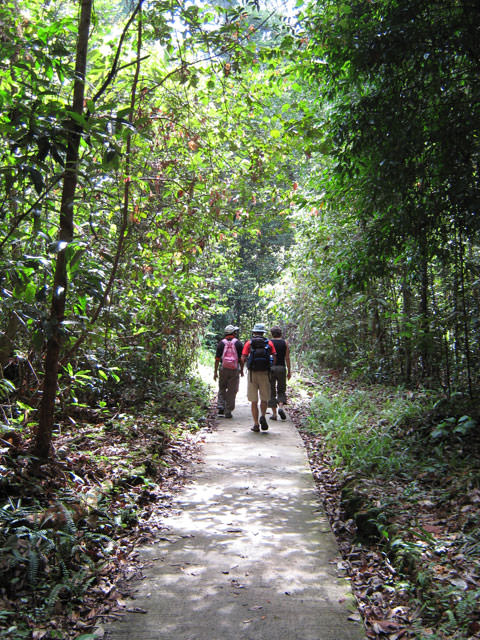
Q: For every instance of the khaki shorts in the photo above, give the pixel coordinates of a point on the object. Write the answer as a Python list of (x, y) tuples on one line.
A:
[(258, 382)]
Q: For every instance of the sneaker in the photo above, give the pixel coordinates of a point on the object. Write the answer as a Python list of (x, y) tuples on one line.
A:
[(228, 414), (255, 428), (282, 414), (273, 417), (263, 422)]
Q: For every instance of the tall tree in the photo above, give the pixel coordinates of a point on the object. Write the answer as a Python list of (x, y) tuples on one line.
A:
[(399, 124), (74, 132)]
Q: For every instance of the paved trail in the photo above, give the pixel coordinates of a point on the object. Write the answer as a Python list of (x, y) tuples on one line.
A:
[(251, 555)]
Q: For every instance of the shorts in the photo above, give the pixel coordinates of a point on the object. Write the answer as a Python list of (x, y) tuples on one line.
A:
[(258, 383)]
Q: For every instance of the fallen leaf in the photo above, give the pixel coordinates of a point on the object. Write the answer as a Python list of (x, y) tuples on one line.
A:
[(355, 617), (384, 626)]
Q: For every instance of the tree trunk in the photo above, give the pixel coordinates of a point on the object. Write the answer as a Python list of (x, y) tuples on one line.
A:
[(43, 437), (406, 325), (465, 316), (424, 320), (126, 181)]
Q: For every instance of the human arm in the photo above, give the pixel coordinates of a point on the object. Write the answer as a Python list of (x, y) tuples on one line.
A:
[(245, 352), (287, 360), (218, 359), (239, 347), (273, 351)]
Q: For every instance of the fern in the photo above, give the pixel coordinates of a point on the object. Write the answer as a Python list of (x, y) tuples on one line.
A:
[(55, 594), (65, 570), (466, 607), (16, 559), (33, 565), (70, 525), (6, 387)]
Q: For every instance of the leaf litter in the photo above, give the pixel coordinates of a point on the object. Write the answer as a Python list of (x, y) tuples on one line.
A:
[(410, 584), (107, 491)]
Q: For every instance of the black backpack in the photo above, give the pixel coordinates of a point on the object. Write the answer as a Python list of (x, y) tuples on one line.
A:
[(259, 358)]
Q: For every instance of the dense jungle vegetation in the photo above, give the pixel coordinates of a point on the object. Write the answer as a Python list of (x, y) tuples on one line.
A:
[(168, 167)]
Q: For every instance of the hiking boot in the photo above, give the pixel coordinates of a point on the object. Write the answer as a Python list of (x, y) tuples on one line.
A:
[(255, 428), (263, 423), (282, 414), (228, 414)]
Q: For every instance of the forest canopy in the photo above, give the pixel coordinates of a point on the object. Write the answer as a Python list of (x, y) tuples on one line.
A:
[(167, 168)]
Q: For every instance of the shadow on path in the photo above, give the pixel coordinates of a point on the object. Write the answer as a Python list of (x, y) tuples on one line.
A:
[(250, 555)]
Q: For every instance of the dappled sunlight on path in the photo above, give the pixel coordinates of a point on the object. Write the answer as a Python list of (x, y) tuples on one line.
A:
[(249, 555)]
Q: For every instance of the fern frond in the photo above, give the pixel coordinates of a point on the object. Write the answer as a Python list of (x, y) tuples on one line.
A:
[(70, 524), (55, 594), (33, 564), (65, 570)]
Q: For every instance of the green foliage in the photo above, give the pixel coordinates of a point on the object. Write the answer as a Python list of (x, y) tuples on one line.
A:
[(179, 183), (410, 485), (352, 438), (385, 269), (183, 399), (43, 552), (6, 388), (398, 432), (453, 427)]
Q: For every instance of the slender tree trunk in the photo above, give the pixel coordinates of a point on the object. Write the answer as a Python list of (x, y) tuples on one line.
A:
[(475, 328), (456, 312), (43, 437), (466, 326), (424, 321), (406, 325), (122, 234), (447, 365)]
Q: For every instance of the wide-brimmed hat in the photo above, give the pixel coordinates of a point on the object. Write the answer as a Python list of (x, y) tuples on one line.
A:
[(259, 328), (229, 329)]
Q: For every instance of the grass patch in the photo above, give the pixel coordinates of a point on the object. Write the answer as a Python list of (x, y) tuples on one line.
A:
[(407, 467), (360, 427)]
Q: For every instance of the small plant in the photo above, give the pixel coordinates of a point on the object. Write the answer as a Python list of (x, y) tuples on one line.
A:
[(352, 436), (46, 558), (406, 554), (457, 427), (6, 388)]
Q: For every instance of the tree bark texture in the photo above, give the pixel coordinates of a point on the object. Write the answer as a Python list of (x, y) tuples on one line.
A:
[(43, 437)]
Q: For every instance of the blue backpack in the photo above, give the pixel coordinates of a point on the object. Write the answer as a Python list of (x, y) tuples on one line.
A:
[(260, 356)]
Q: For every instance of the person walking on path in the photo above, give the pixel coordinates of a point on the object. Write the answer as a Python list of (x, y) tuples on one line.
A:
[(259, 354), (228, 361), (279, 374)]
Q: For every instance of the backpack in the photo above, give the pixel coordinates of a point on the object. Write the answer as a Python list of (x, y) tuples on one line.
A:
[(230, 355), (259, 358)]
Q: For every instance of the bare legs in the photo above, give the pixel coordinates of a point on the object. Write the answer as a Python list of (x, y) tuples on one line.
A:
[(263, 409)]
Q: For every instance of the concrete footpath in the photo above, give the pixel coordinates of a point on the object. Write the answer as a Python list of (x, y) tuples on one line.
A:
[(250, 555)]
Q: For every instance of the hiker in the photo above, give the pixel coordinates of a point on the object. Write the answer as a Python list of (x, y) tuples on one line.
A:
[(280, 372), (228, 361), (259, 354), (220, 399)]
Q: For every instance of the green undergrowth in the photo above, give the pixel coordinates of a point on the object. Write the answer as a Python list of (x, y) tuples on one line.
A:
[(409, 468), (68, 526)]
